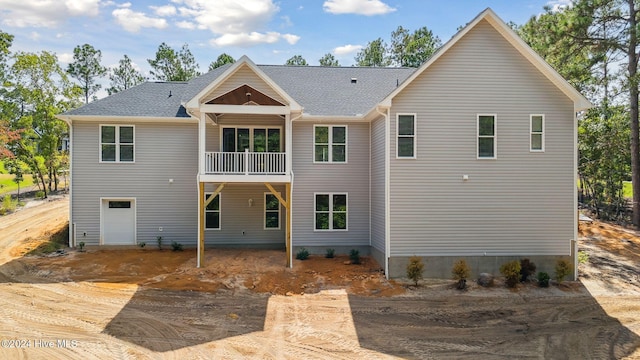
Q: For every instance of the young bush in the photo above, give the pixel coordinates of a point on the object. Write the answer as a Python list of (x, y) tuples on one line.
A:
[(39, 194), (330, 253), (415, 267), (142, 244), (159, 238), (563, 269), (460, 273), (583, 257), (176, 246), (8, 204), (543, 279), (303, 254), (527, 268), (354, 256), (511, 273), (81, 246)]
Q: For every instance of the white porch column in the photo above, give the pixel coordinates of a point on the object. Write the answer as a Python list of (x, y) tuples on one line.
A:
[(202, 145), (288, 143)]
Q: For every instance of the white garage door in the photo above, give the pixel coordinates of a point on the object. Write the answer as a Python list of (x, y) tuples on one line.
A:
[(118, 222)]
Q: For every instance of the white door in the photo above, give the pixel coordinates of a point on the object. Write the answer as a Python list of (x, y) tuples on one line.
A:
[(118, 222)]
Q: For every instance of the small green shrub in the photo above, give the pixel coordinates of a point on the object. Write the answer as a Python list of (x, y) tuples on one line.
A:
[(81, 245), (583, 257), (354, 256), (303, 254), (460, 273), (9, 204), (176, 246), (159, 239), (527, 268), (511, 273), (39, 194), (142, 244), (415, 267), (543, 279), (563, 269), (330, 253)]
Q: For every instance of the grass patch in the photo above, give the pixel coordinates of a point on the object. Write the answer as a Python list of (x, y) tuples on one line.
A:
[(627, 190), (7, 184), (56, 241)]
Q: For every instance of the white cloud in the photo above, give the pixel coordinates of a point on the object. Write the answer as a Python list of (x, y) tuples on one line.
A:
[(83, 7), (186, 25), (246, 39), (360, 7), (133, 21), (44, 13), (347, 49), (290, 38), (165, 10), (557, 5), (35, 36), (65, 58), (235, 23)]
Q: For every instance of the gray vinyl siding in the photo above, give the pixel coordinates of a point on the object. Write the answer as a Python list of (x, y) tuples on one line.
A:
[(351, 178), (162, 152), (378, 205), (521, 203), (240, 120), (237, 217), (246, 76)]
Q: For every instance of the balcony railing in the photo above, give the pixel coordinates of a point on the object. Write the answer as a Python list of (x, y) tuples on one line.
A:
[(245, 163)]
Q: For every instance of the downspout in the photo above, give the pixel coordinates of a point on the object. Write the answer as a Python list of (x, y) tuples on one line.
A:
[(387, 210), (291, 200), (72, 227), (200, 154), (574, 241)]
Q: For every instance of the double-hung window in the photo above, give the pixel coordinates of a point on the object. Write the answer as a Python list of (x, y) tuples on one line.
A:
[(271, 211), (536, 142), (117, 143), (330, 211), (406, 140), (212, 213), (486, 136), (330, 143)]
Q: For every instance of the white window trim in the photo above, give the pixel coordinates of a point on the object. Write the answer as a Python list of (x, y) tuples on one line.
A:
[(330, 211), (117, 144), (251, 128), (206, 194), (330, 144), (531, 149), (415, 135), (264, 212), (495, 137)]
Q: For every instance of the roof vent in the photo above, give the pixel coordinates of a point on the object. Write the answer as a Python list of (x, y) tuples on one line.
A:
[(169, 93), (354, 80)]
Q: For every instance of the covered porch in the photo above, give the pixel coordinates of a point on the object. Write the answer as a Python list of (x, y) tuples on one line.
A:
[(252, 215)]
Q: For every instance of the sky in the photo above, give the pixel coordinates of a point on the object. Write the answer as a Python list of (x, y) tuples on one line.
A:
[(267, 31)]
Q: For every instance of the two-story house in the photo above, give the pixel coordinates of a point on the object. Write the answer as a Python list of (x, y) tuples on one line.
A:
[(472, 155)]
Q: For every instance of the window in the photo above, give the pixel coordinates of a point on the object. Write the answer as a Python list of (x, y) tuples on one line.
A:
[(212, 213), (271, 211), (330, 144), (406, 130), (254, 139), (116, 143), (330, 211), (537, 133), (119, 204), (486, 136)]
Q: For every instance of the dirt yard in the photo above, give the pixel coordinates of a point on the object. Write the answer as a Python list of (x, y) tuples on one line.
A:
[(150, 304)]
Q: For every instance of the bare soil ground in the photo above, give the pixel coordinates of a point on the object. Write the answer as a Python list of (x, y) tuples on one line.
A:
[(149, 304)]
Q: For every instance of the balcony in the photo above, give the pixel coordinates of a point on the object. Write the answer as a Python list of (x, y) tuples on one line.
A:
[(245, 163)]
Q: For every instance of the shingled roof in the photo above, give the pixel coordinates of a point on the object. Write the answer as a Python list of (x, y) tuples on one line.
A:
[(321, 91)]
